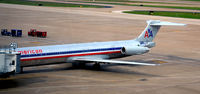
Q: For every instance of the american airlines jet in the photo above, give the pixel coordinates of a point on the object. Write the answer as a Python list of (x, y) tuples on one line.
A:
[(97, 52)]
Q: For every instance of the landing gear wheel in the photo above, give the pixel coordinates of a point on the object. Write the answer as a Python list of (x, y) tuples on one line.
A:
[(21, 70), (78, 65), (97, 66)]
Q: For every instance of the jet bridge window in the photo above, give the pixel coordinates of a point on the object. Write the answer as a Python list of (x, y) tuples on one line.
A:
[(13, 62)]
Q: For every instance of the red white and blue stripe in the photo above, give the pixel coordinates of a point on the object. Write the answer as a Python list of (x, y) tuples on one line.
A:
[(65, 54)]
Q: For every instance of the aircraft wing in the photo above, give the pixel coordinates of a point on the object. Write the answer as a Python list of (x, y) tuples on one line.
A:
[(112, 61)]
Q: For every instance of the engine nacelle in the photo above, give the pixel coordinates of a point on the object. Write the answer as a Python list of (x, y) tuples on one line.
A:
[(150, 44), (134, 50)]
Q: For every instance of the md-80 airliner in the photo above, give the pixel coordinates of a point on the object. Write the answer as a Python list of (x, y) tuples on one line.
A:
[(96, 52)]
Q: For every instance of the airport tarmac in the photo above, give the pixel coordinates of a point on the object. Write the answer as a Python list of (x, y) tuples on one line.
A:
[(177, 51)]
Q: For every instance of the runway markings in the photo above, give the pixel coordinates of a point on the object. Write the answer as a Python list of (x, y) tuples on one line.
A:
[(159, 61), (35, 42), (176, 31)]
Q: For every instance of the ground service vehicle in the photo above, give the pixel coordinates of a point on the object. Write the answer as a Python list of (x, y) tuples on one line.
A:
[(35, 33), (4, 32), (16, 32)]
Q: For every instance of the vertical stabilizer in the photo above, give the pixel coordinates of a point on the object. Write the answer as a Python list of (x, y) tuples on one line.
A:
[(152, 29)]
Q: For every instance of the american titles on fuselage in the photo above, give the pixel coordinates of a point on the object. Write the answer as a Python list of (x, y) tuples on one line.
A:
[(24, 52)]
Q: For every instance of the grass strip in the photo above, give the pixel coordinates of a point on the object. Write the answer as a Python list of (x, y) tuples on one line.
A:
[(141, 5), (191, 0), (50, 4), (194, 15), (175, 7), (128, 1)]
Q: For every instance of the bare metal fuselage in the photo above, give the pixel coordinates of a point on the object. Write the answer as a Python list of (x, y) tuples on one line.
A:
[(106, 50)]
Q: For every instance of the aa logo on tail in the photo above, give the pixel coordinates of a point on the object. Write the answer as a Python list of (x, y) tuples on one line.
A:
[(148, 34)]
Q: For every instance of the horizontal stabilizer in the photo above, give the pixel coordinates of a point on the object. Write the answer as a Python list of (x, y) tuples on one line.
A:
[(113, 61), (159, 23)]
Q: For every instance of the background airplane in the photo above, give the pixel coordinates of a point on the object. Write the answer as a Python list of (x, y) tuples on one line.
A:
[(96, 52)]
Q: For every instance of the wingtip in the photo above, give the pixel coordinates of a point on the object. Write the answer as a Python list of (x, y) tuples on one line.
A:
[(155, 64)]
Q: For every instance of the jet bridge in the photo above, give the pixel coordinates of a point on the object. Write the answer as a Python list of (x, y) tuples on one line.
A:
[(9, 61)]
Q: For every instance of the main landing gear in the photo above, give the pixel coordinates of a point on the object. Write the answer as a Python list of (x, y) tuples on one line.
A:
[(78, 65), (97, 66)]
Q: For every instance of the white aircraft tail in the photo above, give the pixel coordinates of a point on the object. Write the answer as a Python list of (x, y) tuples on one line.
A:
[(152, 29)]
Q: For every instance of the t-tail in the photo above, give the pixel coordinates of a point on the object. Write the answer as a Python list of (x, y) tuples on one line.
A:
[(152, 29)]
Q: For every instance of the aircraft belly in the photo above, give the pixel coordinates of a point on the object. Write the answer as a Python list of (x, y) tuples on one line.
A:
[(43, 62), (60, 60), (116, 55)]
